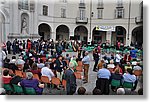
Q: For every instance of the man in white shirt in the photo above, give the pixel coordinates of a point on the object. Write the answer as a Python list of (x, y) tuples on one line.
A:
[(118, 57), (46, 71)]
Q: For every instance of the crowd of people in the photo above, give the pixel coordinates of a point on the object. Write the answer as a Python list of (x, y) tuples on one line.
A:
[(45, 58)]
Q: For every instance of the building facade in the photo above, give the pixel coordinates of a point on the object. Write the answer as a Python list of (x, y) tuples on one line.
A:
[(84, 20)]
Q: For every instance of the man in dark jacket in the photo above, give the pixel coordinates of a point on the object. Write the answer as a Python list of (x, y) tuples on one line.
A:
[(9, 47), (71, 80)]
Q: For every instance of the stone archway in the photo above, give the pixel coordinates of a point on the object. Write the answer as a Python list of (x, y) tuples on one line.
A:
[(98, 36), (81, 33), (44, 31), (119, 35), (62, 32), (137, 36)]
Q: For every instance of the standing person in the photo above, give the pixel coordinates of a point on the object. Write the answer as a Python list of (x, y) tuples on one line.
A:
[(86, 63), (14, 46), (24, 44), (59, 67), (102, 82), (9, 47), (46, 71), (96, 59), (71, 80), (118, 57), (133, 53), (79, 51)]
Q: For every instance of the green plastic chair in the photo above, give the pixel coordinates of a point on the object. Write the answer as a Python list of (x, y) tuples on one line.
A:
[(115, 83), (8, 88), (29, 91), (127, 85), (18, 89)]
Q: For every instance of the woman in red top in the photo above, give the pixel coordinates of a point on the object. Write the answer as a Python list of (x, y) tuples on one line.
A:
[(35, 70), (29, 45), (127, 57), (6, 78), (120, 69)]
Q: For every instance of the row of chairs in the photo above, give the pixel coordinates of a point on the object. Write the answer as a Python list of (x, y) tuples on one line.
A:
[(117, 84), (18, 90)]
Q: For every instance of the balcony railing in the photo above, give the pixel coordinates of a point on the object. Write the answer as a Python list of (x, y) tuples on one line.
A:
[(138, 19), (119, 5), (82, 20), (81, 5)]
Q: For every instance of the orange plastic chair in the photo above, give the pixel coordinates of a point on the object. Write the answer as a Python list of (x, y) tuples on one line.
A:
[(36, 77), (79, 68), (64, 82), (19, 73), (80, 63), (45, 79), (78, 75), (55, 81), (137, 72)]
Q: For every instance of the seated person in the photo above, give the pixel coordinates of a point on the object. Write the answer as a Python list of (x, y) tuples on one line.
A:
[(129, 77), (111, 65), (120, 91), (102, 82), (35, 70), (29, 82), (96, 91), (116, 76), (128, 66), (6, 78), (120, 69), (137, 67), (100, 64), (81, 91)]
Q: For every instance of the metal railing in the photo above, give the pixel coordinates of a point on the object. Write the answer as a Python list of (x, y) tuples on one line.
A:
[(138, 19), (82, 20)]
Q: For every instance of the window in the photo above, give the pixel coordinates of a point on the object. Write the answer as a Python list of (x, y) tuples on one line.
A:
[(32, 5), (81, 1), (119, 13), (64, 1), (23, 4), (63, 12), (45, 10), (99, 13), (100, 3), (82, 14), (119, 3)]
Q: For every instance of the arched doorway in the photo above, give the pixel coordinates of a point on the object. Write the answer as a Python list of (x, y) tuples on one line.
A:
[(2, 27), (98, 36), (81, 33), (137, 36), (119, 35), (44, 31), (62, 32)]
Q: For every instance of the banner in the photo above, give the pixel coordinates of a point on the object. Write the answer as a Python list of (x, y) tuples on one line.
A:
[(105, 28)]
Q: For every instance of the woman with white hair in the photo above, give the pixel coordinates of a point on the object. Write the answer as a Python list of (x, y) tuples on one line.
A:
[(120, 91), (29, 82)]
